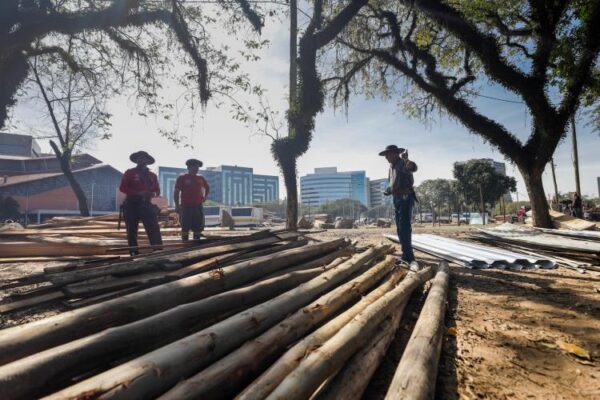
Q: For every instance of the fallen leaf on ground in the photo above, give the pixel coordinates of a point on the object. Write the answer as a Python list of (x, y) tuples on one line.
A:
[(452, 331), (574, 349), (548, 345)]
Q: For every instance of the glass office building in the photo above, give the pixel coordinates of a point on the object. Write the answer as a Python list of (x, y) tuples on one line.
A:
[(230, 185), (327, 184)]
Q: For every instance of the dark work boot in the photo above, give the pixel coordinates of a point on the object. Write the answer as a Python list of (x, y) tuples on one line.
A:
[(185, 236)]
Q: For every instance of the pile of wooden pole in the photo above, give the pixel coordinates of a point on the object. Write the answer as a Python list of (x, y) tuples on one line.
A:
[(84, 283), (277, 321), (92, 237)]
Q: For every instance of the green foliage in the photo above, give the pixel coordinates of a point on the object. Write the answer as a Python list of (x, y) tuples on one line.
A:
[(382, 211), (348, 208), (9, 209), (477, 177), (277, 207)]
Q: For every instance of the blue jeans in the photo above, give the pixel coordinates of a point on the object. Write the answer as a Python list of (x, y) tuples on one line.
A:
[(403, 205)]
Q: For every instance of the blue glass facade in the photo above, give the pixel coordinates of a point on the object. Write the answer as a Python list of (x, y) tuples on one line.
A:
[(326, 184), (376, 189), (265, 188), (230, 185)]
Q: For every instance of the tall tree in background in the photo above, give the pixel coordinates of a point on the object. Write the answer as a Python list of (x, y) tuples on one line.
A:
[(319, 33), (434, 54), (76, 109), (139, 38), (479, 181)]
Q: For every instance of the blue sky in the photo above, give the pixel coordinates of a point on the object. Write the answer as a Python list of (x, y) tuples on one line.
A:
[(349, 141)]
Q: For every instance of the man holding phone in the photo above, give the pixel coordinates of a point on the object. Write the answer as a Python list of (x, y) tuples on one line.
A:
[(401, 187)]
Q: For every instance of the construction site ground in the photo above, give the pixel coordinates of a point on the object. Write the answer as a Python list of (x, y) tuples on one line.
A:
[(504, 328)]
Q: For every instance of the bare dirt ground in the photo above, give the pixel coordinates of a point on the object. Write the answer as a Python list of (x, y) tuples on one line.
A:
[(508, 329)]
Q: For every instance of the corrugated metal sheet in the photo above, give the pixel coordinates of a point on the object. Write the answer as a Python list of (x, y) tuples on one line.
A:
[(472, 255), (511, 233)]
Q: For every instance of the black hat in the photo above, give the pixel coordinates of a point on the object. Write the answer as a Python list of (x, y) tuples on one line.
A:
[(392, 148), (193, 161), (135, 157)]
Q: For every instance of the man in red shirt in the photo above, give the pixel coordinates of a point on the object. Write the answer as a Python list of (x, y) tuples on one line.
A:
[(194, 190), (140, 185)]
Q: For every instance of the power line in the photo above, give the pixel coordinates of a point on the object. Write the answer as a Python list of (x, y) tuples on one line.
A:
[(499, 99)]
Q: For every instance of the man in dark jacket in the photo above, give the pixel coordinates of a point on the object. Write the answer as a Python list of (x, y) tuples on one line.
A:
[(401, 187)]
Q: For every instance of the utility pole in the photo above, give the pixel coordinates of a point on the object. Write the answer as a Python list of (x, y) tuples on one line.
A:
[(556, 199), (482, 204), (554, 180), (575, 156), (293, 57)]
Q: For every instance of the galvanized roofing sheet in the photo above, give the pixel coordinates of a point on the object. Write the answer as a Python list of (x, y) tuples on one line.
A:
[(472, 255)]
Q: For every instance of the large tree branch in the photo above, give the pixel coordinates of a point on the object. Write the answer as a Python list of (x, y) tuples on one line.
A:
[(490, 130), (59, 133)]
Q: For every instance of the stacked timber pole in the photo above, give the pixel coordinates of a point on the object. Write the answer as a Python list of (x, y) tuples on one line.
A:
[(416, 374), (271, 317)]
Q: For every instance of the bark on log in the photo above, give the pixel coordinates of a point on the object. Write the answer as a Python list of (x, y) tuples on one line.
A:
[(41, 373), (39, 335), (110, 283), (261, 387), (223, 378), (154, 262), (351, 382), (321, 363), (416, 374), (153, 373)]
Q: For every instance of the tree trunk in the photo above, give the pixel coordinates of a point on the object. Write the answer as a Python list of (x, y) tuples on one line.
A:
[(65, 165), (537, 196), (291, 188)]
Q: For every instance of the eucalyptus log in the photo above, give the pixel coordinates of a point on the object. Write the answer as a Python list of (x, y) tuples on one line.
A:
[(224, 377), (23, 340), (153, 373), (265, 383), (416, 374), (151, 262), (52, 369), (31, 301), (352, 380), (322, 362)]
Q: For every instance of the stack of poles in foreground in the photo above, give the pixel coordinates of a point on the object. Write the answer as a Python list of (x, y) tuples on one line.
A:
[(300, 322), (81, 284)]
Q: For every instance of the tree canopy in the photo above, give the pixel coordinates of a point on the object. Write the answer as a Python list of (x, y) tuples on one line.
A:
[(476, 178), (134, 41), (434, 54), (348, 208)]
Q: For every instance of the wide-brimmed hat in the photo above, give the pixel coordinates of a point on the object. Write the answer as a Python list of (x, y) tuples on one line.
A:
[(193, 161), (392, 148), (135, 157)]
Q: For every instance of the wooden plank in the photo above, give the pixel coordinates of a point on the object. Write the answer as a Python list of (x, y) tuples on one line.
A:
[(31, 302)]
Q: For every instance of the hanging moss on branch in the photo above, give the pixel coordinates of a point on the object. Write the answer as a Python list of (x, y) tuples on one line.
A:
[(310, 98)]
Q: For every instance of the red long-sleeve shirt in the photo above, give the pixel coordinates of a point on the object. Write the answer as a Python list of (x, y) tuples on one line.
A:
[(137, 180)]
